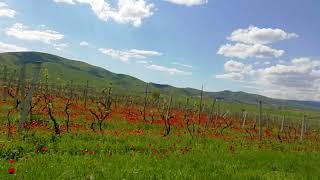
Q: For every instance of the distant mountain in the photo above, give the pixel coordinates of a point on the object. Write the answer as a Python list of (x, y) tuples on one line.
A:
[(62, 70)]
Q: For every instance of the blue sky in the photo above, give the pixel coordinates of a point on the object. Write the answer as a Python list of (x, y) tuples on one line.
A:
[(266, 47)]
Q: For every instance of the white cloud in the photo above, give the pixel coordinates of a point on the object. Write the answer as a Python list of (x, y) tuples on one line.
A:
[(235, 70), (132, 11), (188, 2), (145, 53), (60, 47), (183, 65), (126, 55), (5, 11), (64, 1), (255, 35), (297, 79), (230, 76), (251, 43), (244, 51), (169, 70), (84, 43), (235, 66), (127, 11), (11, 48), (142, 62), (42, 26), (21, 31)]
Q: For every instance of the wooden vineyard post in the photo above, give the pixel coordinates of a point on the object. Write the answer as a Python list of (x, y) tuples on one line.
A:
[(11, 80), (211, 112), (259, 120), (109, 95), (302, 127), (200, 108), (21, 90), (186, 115), (21, 86), (26, 101), (145, 102), (218, 111), (46, 76), (282, 122), (71, 89), (86, 94), (306, 124), (167, 117), (4, 83), (244, 116), (267, 119)]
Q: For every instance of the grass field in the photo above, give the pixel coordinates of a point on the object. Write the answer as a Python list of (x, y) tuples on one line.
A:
[(134, 137), (138, 151)]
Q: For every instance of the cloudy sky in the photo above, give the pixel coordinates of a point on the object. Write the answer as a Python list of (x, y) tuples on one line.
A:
[(267, 47)]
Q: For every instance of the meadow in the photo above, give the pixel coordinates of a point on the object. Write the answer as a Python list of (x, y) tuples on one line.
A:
[(127, 150), (55, 132)]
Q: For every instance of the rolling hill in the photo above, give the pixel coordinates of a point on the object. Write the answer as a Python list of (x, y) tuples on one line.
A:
[(62, 70)]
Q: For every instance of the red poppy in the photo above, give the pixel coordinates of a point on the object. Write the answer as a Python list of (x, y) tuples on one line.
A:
[(11, 170), (11, 161), (44, 149)]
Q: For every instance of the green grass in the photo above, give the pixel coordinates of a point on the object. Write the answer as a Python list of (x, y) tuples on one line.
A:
[(128, 156), (119, 153)]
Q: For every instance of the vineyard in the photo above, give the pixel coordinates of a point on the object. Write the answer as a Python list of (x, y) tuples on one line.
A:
[(72, 130)]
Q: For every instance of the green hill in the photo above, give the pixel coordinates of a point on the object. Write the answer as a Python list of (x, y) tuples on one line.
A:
[(62, 70)]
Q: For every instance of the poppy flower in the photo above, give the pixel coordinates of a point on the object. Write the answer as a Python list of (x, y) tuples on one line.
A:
[(11, 161), (11, 170), (44, 149)]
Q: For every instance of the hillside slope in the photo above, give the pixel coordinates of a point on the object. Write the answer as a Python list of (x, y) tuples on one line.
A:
[(62, 70)]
